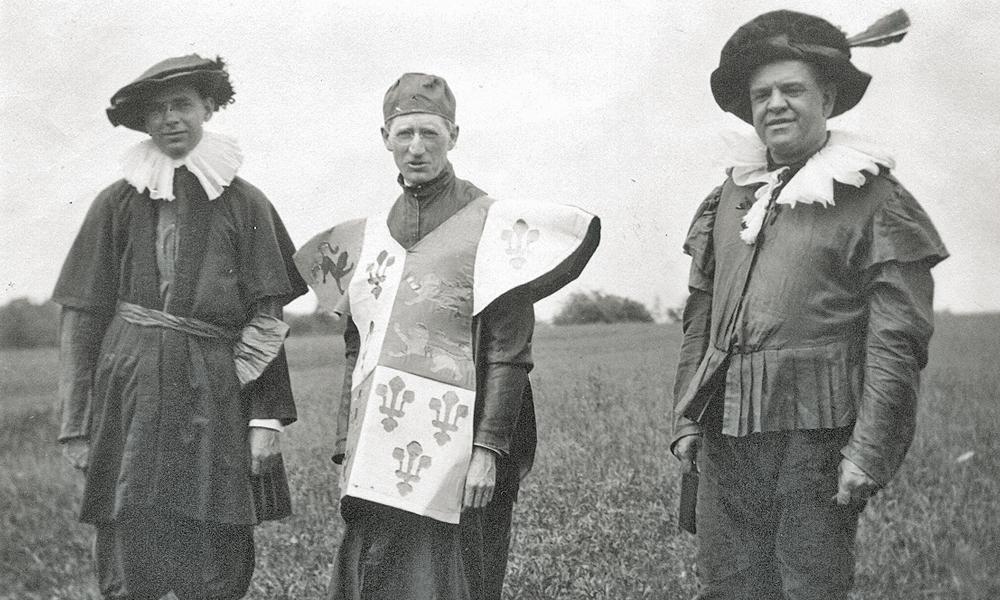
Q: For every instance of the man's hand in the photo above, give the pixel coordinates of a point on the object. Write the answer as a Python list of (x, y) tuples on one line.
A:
[(686, 450), (77, 452), (264, 450), (481, 479), (854, 486)]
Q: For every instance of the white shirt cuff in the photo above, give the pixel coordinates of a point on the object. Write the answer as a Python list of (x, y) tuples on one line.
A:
[(274, 424)]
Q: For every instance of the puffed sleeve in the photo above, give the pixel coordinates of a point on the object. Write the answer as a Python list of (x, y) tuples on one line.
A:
[(902, 232), (271, 393), (88, 280), (699, 246), (904, 246), (266, 250), (269, 280), (698, 306)]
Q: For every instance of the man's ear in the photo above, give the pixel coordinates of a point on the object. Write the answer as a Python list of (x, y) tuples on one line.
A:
[(209, 107), (454, 137), (829, 99), (385, 139)]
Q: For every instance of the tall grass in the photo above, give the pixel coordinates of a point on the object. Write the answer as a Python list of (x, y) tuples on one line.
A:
[(596, 517)]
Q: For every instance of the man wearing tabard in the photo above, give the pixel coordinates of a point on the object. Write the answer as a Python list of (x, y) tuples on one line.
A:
[(173, 380), (436, 424), (807, 323)]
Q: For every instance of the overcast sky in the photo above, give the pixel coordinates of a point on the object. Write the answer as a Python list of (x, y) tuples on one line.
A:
[(604, 105)]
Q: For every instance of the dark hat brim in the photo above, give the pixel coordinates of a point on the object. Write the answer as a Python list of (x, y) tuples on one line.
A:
[(731, 81), (208, 77)]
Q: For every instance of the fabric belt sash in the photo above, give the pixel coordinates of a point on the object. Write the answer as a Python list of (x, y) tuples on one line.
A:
[(254, 347)]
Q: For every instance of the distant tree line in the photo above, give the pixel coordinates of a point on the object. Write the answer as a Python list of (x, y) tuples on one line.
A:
[(26, 324), (597, 307)]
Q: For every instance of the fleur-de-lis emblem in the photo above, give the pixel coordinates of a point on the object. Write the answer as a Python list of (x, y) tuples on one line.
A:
[(328, 266), (447, 423), (376, 271), (415, 460), (519, 237), (389, 408)]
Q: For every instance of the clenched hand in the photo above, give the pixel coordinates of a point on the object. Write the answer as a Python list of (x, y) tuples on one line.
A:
[(481, 479), (264, 450), (77, 452), (854, 486), (686, 451)]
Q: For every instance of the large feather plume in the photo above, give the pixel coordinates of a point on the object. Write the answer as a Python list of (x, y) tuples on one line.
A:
[(887, 30)]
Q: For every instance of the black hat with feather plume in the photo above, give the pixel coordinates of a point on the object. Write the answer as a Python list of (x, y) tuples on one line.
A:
[(209, 77), (789, 35)]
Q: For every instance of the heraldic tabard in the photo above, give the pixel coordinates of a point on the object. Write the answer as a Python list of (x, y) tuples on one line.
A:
[(409, 430)]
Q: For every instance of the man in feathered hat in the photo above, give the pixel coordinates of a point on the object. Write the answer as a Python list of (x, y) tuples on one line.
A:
[(436, 425), (808, 320), (173, 381)]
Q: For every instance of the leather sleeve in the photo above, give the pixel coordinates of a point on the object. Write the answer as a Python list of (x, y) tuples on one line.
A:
[(696, 322), (503, 333), (352, 346), (900, 325)]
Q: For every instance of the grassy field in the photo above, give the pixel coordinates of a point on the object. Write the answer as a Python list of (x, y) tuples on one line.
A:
[(596, 517)]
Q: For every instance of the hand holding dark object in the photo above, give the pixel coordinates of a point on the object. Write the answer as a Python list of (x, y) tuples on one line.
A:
[(686, 450), (265, 450), (77, 452), (854, 486), (480, 481)]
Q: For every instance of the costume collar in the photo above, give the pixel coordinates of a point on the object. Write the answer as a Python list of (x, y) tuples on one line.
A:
[(430, 188), (845, 158), (214, 161)]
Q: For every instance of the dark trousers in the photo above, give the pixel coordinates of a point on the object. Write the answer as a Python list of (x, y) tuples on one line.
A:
[(486, 536), (148, 555), (391, 554), (767, 525)]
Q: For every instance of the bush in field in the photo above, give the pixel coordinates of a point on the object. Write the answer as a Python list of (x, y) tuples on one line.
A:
[(24, 324), (315, 323), (598, 307)]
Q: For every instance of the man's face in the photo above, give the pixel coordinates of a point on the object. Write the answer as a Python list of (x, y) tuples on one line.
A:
[(175, 117), (790, 108), (419, 144)]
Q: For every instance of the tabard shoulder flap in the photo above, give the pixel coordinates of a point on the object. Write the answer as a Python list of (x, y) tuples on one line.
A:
[(328, 262), (542, 245)]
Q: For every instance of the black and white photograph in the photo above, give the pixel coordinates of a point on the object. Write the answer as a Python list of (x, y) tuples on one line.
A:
[(644, 300)]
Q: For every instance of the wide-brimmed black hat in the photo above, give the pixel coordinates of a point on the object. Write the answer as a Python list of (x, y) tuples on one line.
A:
[(207, 76), (786, 35)]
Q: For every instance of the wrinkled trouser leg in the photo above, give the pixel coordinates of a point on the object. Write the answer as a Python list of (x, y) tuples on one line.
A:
[(486, 536), (147, 555), (767, 524), (391, 554)]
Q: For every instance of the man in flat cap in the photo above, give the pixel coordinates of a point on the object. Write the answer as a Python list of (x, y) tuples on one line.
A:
[(436, 424), (173, 381), (808, 320)]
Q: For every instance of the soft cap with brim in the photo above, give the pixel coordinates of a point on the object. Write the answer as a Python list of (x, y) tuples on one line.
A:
[(785, 35), (419, 93), (208, 76)]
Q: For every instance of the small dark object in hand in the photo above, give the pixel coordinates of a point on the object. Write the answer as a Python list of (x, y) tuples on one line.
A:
[(689, 502), (271, 498)]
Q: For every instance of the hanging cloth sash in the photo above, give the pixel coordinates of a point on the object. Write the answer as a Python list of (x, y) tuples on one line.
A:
[(254, 347), (410, 429)]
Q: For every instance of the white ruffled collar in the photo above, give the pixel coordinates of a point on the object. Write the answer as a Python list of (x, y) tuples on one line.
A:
[(214, 161), (845, 158)]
